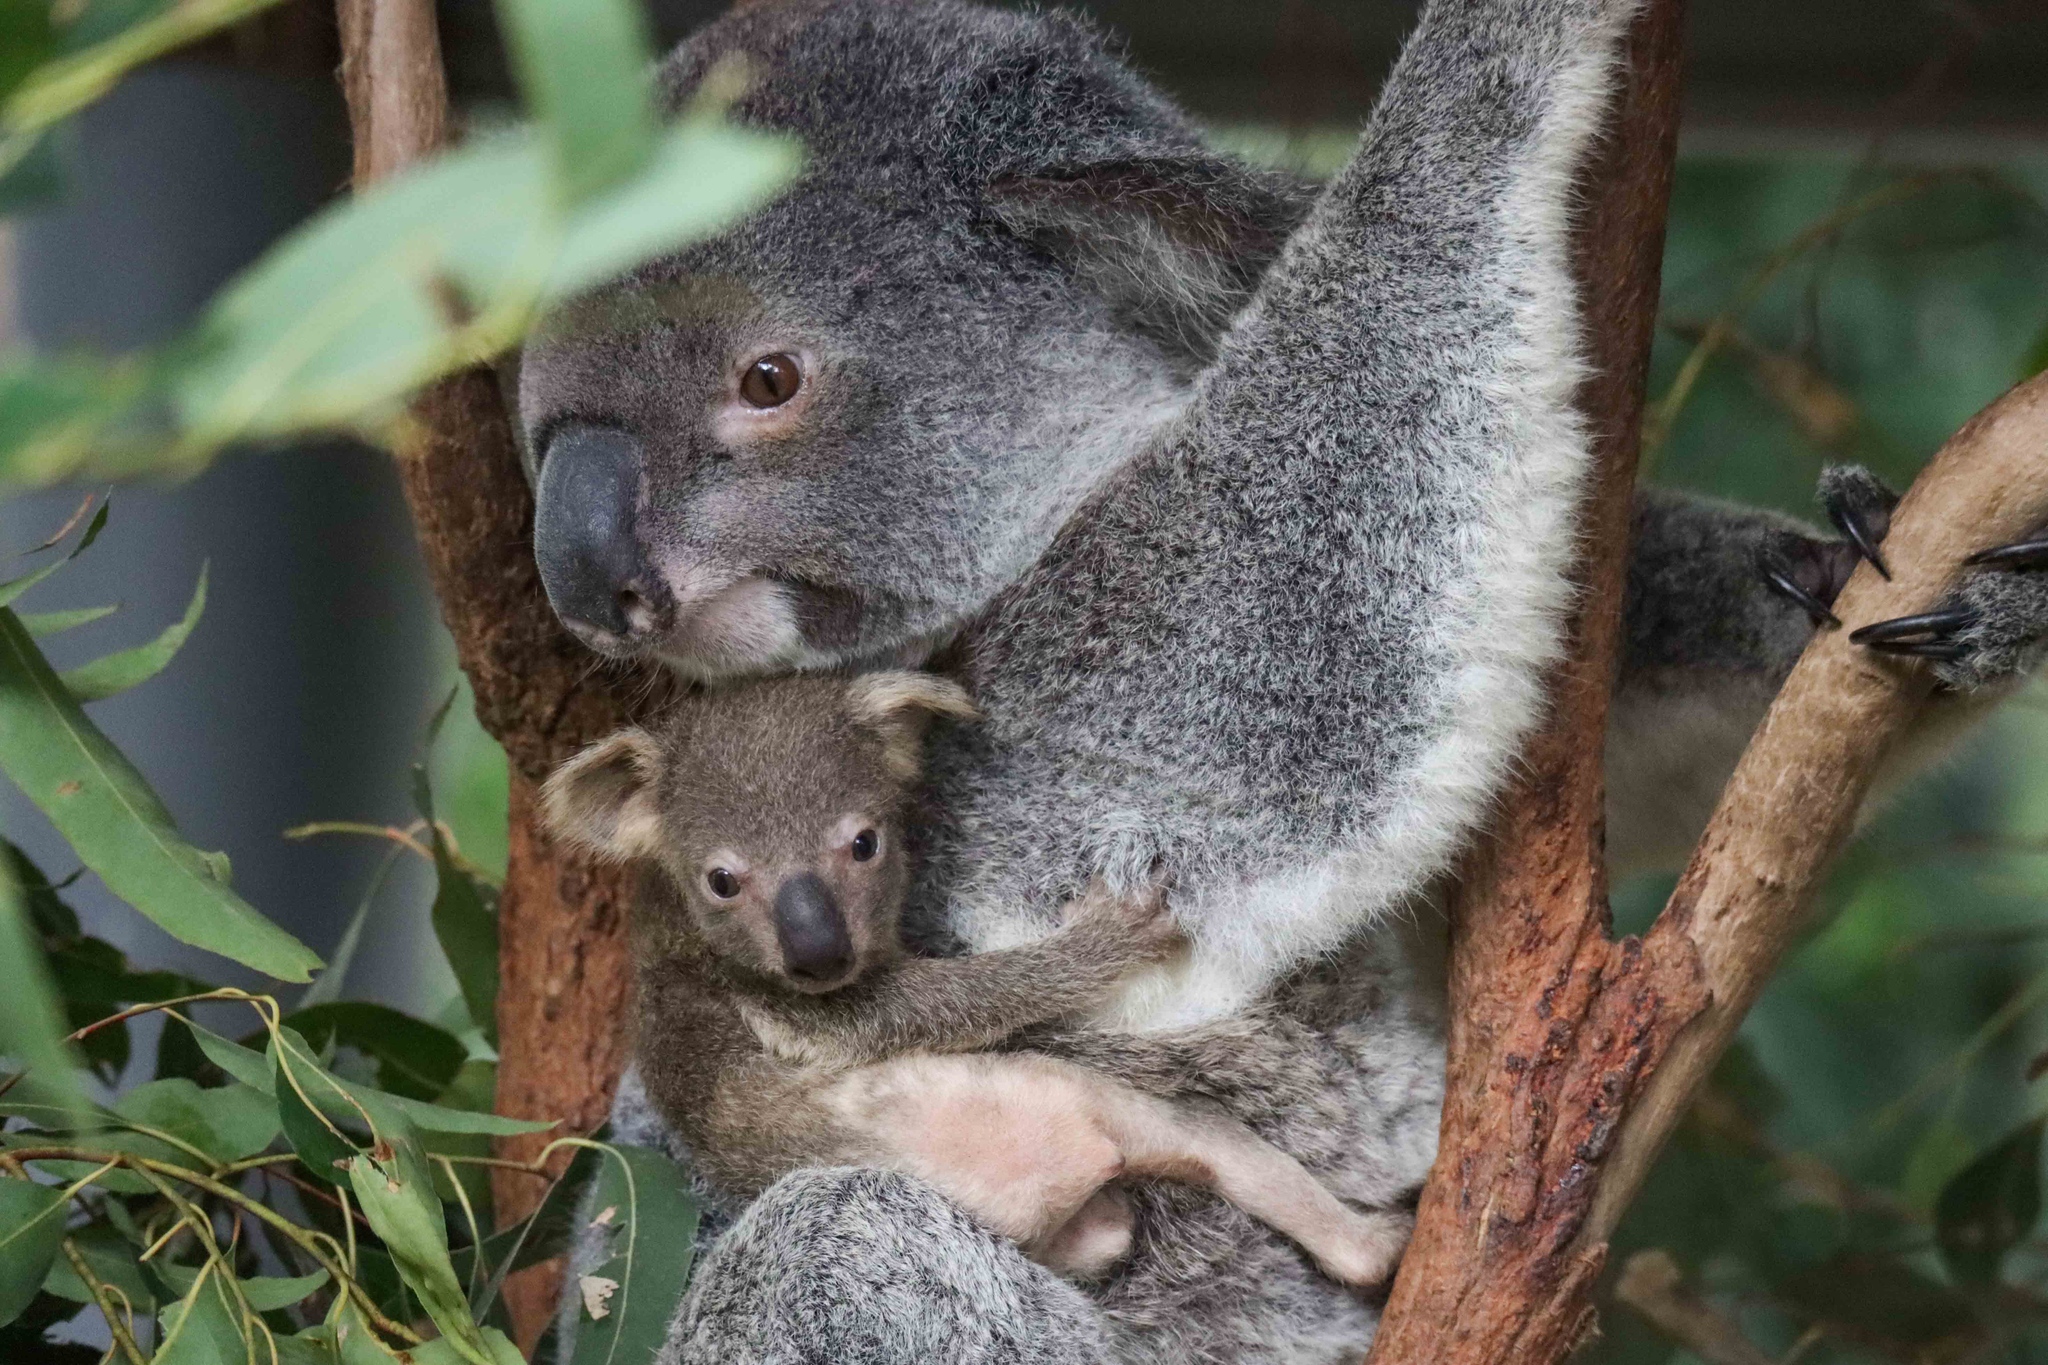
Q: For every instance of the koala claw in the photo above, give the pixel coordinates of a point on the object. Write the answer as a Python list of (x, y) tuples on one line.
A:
[(2025, 554), (1794, 568), (1860, 505), (1931, 635)]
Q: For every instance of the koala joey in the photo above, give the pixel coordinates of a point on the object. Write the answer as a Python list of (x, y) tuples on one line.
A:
[(773, 819)]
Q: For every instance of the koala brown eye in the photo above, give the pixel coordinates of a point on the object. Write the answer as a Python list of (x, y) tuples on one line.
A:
[(865, 845), (771, 381), (722, 883)]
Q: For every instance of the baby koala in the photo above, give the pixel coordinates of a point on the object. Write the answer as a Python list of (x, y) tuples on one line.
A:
[(782, 1024)]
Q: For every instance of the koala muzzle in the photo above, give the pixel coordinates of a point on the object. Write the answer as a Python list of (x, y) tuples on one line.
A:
[(811, 930), (591, 564)]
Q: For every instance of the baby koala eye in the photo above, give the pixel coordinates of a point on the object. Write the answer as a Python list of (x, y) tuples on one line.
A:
[(771, 381), (866, 845), (722, 883)]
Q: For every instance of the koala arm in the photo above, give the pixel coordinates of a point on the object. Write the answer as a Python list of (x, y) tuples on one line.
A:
[(1291, 649), (966, 1004), (1707, 641)]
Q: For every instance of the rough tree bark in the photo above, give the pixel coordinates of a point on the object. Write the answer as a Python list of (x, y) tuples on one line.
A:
[(561, 925)]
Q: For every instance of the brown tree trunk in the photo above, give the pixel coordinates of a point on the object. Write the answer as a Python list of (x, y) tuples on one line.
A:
[(562, 958)]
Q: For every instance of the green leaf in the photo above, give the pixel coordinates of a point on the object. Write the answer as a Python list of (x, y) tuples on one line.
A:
[(586, 71), (465, 919), (44, 624), (203, 1328), (1990, 1207), (395, 1188), (97, 799), (439, 268), (653, 1229), (246, 1065), (442, 1351), (393, 1110), (55, 412), (58, 88), (31, 1023), (117, 672), (113, 1260), (14, 588), (414, 1059), (31, 1229), (266, 1294), (311, 1111), (228, 1122)]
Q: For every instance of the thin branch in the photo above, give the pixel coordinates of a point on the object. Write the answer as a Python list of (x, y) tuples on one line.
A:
[(102, 1295), (1794, 797), (1652, 1284)]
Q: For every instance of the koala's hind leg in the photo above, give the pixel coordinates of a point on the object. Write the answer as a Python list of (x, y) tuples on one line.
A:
[(1177, 1141)]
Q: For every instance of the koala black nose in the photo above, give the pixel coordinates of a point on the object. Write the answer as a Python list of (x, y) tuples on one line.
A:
[(811, 930), (583, 534)]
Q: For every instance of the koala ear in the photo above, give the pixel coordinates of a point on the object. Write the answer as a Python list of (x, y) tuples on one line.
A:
[(603, 799), (1177, 244), (898, 706)]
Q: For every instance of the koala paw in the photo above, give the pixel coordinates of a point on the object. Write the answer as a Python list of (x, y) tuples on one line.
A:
[(1367, 1250), (1142, 916), (1810, 573), (1991, 628)]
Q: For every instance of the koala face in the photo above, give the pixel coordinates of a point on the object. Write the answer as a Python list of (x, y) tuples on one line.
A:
[(835, 432), (777, 812), (798, 446)]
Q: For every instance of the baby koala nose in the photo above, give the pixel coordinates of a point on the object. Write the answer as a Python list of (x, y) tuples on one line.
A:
[(811, 930)]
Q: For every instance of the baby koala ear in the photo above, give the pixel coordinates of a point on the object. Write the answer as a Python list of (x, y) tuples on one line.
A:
[(898, 706), (603, 799)]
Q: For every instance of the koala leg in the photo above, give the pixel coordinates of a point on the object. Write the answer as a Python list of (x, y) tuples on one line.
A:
[(846, 1264)]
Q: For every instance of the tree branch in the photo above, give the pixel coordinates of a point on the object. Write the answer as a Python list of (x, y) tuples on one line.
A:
[(562, 957), (1794, 797)]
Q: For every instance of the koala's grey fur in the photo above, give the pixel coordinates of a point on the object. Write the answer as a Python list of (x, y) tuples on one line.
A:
[(1270, 604)]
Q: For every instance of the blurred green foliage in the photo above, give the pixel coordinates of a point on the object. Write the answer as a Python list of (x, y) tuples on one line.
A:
[(1862, 1182)]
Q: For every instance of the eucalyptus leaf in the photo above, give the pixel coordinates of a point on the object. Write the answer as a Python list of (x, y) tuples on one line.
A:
[(586, 71), (64, 86), (203, 1328), (116, 673), (32, 1031), (227, 1122), (118, 826), (31, 1229), (394, 1186), (112, 1260), (14, 588), (246, 1065), (465, 917), (44, 624), (265, 1293), (442, 267), (653, 1236), (414, 1059)]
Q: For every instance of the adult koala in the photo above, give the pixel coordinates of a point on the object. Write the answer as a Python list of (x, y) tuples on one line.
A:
[(1245, 509)]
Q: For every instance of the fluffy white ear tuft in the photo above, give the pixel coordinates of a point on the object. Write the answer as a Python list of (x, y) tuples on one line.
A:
[(603, 799), (898, 706)]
